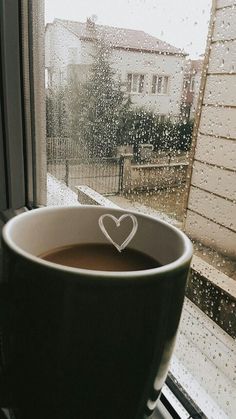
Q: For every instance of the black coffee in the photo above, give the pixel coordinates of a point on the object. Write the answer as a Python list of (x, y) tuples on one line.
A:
[(101, 257)]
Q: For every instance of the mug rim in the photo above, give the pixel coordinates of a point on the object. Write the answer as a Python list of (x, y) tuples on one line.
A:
[(179, 263)]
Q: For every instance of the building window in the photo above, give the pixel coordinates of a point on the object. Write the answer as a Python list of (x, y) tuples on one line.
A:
[(135, 83), (192, 84), (186, 84), (160, 85), (162, 118)]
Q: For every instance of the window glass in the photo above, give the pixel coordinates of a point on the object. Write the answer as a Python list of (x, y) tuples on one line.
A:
[(133, 114), (129, 82), (192, 84), (141, 83), (162, 85), (154, 84), (135, 83), (165, 84), (159, 84), (136, 79)]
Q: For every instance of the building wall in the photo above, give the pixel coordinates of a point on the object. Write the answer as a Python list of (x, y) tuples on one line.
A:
[(211, 213), (64, 49), (150, 64)]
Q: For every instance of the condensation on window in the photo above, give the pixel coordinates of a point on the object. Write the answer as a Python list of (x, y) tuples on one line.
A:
[(140, 107)]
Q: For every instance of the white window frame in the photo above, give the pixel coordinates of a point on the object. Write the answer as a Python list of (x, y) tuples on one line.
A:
[(162, 118), (162, 77), (131, 84)]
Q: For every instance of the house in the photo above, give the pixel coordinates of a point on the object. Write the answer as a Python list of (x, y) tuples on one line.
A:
[(150, 70)]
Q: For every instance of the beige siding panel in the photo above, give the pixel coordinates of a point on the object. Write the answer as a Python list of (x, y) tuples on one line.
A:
[(223, 57), (225, 24), (217, 151), (211, 234), (220, 90), (214, 179), (224, 3), (213, 207), (218, 121)]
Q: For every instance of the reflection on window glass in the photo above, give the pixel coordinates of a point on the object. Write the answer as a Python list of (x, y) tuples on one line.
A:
[(124, 86)]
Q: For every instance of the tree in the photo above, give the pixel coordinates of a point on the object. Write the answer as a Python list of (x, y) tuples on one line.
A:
[(97, 107), (56, 113)]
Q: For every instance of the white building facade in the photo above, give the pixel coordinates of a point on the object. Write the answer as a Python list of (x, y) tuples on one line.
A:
[(151, 71)]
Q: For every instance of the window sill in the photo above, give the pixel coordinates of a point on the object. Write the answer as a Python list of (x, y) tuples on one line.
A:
[(59, 194), (135, 93), (206, 280), (160, 94), (203, 363), (219, 279)]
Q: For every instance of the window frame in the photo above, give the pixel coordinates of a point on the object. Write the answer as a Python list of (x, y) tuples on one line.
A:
[(192, 83), (139, 83), (160, 76), (17, 129), (163, 118), (14, 192), (21, 172)]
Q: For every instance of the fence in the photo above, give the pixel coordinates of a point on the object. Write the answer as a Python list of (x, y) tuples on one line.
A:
[(62, 148), (112, 175), (104, 175)]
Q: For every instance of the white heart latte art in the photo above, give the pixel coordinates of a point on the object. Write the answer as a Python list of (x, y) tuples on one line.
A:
[(117, 222)]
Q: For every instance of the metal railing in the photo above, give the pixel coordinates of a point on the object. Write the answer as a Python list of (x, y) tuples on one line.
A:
[(104, 175)]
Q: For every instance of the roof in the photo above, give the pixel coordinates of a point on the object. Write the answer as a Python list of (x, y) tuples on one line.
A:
[(120, 38)]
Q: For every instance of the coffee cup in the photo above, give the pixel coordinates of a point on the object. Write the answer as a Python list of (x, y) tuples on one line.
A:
[(96, 342)]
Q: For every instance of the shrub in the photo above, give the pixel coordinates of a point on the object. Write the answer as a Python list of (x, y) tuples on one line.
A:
[(141, 127)]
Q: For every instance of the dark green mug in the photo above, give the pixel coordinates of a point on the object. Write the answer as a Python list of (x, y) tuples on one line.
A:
[(85, 343)]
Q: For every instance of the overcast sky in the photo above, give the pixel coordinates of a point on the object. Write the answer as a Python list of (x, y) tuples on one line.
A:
[(182, 23)]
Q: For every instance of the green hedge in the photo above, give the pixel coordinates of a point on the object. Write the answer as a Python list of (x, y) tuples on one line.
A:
[(141, 127)]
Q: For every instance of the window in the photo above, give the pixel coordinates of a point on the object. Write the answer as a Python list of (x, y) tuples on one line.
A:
[(192, 84), (162, 118), (135, 83), (160, 85), (186, 84), (90, 124)]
